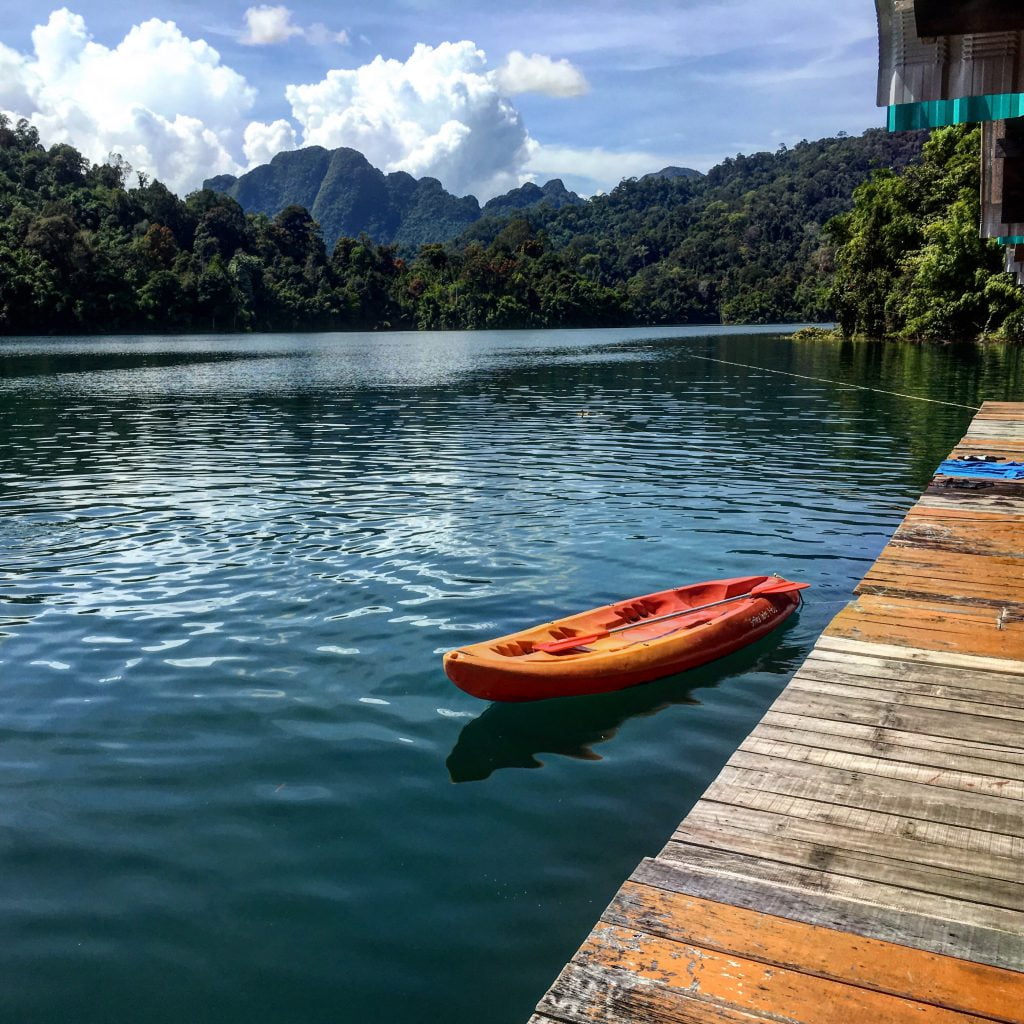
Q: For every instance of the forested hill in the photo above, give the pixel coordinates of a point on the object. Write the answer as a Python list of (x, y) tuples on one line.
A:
[(85, 249), (349, 197), (744, 244)]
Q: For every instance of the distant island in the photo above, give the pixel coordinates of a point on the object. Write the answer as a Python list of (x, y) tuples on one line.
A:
[(877, 232)]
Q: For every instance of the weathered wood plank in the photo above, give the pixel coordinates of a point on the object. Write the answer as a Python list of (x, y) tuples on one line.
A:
[(908, 695), (957, 684), (938, 530), (1003, 736), (943, 499), (597, 995), (915, 671), (817, 880), (917, 743), (872, 792), (824, 952), (986, 891), (1002, 428), (682, 972), (710, 814), (906, 748), (980, 663), (949, 938), (884, 821), (958, 779), (923, 625)]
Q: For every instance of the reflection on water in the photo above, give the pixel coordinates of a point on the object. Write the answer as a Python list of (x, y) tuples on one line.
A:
[(514, 735), (231, 566)]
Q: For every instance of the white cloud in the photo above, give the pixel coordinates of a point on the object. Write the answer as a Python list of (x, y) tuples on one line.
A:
[(440, 113), (174, 110), (262, 142), (268, 24), (539, 73), (603, 168), (320, 35), (164, 101), (599, 164)]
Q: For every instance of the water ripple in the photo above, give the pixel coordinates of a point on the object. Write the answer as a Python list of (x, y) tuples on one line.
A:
[(230, 565)]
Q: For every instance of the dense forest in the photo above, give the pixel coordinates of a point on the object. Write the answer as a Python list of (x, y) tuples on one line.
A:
[(849, 228), (908, 259)]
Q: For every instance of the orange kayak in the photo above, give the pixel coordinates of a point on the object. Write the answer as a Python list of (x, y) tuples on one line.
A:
[(625, 643)]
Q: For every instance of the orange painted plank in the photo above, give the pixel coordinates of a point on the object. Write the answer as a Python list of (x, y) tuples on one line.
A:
[(911, 623), (980, 515), (826, 953), (684, 971)]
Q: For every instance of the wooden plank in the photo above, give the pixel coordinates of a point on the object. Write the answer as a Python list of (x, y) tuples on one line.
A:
[(957, 500), (919, 745), (886, 822), (935, 798), (889, 768), (886, 667), (824, 952), (595, 994), (682, 972), (926, 626), (817, 880), (855, 916), (934, 573), (710, 814), (1001, 428), (965, 515), (927, 800), (935, 529), (910, 695), (1004, 736), (809, 732), (1011, 666), (934, 879), (956, 566), (1010, 449), (984, 688)]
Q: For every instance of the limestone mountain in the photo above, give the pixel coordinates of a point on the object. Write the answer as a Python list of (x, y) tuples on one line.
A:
[(348, 196)]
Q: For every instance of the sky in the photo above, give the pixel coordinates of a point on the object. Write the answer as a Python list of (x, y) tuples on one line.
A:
[(480, 94)]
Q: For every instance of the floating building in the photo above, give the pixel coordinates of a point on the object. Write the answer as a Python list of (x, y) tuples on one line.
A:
[(943, 62)]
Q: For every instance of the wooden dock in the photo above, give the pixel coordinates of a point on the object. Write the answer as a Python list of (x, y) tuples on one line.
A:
[(860, 859)]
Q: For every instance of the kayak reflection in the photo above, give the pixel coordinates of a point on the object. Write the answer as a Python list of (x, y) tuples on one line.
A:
[(513, 735)]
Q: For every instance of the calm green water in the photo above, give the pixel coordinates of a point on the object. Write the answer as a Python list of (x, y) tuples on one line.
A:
[(237, 786)]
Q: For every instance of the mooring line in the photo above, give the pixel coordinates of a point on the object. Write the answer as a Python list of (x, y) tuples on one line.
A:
[(836, 383)]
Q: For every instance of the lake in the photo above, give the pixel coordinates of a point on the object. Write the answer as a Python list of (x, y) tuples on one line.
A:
[(237, 785)]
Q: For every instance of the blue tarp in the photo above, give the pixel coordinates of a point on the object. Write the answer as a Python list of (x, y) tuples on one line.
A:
[(978, 467)]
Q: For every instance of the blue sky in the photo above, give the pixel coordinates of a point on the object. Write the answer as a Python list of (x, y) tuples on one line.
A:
[(481, 95)]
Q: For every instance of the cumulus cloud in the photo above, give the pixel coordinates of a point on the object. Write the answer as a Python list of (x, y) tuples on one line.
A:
[(602, 169), (539, 73), (164, 101), (173, 109), (269, 23), (262, 142), (440, 113)]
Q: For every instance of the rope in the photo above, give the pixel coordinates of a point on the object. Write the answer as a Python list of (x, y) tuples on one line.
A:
[(825, 380)]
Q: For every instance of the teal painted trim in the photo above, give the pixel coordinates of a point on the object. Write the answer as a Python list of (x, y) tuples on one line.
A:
[(938, 113), (1010, 239)]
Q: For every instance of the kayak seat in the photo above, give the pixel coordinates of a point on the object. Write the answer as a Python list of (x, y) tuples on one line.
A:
[(636, 611), (514, 648)]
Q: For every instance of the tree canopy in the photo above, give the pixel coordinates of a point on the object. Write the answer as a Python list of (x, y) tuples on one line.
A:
[(854, 228)]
